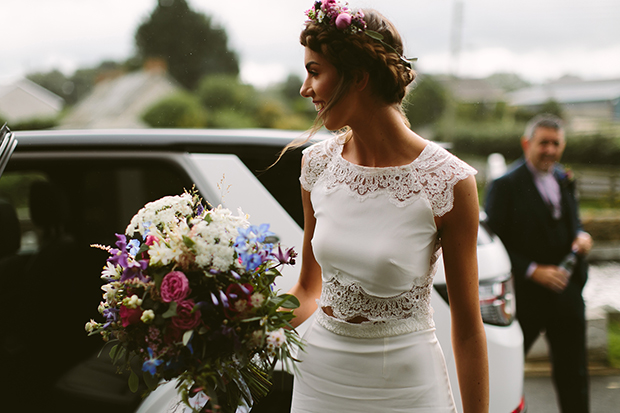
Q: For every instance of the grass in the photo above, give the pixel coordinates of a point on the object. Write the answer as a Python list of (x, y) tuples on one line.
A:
[(613, 343)]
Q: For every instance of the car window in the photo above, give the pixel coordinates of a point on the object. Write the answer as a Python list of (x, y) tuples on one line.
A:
[(98, 197)]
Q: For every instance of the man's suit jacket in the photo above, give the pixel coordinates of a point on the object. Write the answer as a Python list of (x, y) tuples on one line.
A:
[(523, 221)]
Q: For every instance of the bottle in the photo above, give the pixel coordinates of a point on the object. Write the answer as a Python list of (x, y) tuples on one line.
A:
[(568, 262)]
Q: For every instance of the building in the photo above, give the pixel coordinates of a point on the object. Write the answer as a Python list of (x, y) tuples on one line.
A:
[(120, 100), (24, 100), (596, 100)]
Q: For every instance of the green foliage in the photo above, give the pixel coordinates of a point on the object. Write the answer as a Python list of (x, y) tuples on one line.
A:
[(426, 102), (613, 344), (597, 149), (229, 102), (483, 138), (497, 136), (190, 42), (181, 110), (230, 118), (222, 91)]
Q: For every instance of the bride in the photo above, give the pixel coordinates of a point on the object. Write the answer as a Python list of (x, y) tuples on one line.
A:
[(381, 206)]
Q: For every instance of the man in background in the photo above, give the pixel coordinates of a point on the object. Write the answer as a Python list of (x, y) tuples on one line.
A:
[(534, 211)]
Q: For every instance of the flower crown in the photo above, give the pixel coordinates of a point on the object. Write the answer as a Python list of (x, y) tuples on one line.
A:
[(331, 13)]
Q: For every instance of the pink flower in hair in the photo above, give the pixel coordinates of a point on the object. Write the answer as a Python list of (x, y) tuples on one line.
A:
[(343, 21)]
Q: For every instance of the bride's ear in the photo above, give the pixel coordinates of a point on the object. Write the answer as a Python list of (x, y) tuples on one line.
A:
[(362, 78)]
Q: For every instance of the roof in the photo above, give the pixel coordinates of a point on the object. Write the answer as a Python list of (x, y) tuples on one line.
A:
[(49, 98), (574, 91), (119, 102), (472, 90)]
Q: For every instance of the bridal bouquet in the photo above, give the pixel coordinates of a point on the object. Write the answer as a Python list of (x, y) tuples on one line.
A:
[(189, 296)]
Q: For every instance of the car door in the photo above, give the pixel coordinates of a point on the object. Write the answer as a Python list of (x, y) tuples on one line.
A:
[(7, 146)]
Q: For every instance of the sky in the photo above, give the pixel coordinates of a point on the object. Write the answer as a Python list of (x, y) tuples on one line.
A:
[(539, 40)]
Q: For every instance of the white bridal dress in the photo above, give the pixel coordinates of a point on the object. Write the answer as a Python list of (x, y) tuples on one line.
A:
[(377, 244)]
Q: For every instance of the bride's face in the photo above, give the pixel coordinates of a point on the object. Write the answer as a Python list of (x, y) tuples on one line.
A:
[(320, 84)]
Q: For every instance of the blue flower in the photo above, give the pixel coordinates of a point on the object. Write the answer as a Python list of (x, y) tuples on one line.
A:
[(133, 247), (151, 364), (261, 232), (251, 261)]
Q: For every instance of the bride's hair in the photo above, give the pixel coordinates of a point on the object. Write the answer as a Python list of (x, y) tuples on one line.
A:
[(352, 53)]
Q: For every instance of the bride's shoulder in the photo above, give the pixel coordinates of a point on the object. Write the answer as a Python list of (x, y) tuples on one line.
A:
[(316, 159)]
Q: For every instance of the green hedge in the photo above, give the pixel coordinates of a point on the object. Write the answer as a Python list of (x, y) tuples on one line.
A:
[(483, 139)]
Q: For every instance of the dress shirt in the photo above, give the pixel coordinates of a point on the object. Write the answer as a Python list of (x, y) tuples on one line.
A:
[(549, 190)]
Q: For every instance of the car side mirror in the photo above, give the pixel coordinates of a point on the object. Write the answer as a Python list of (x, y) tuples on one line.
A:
[(8, 142)]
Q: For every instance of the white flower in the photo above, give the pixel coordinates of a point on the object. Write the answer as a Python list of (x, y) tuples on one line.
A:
[(102, 307), (132, 302), (110, 289), (241, 306), (164, 211), (91, 325), (257, 300), (276, 338), (111, 271), (147, 316)]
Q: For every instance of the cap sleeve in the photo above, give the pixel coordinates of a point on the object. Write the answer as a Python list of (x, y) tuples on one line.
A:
[(315, 161), (441, 171)]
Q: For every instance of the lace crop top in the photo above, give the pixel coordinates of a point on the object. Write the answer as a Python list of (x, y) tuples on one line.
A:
[(375, 237)]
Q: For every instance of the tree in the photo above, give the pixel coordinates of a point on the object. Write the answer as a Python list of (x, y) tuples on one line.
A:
[(188, 41), (426, 102)]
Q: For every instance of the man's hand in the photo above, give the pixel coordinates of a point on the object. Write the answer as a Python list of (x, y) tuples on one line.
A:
[(582, 244), (551, 277)]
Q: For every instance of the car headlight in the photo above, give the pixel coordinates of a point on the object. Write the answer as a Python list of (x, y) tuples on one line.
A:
[(497, 300)]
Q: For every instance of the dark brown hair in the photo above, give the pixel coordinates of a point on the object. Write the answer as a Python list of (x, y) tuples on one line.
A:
[(355, 53)]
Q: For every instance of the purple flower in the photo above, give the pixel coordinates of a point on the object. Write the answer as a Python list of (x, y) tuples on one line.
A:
[(343, 21), (286, 257), (134, 269), (111, 315)]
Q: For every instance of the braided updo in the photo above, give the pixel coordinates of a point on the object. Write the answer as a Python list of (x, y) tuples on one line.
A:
[(352, 53)]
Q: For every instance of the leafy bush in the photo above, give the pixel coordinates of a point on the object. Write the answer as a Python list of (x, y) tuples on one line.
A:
[(231, 118), (181, 110), (483, 138), (226, 91), (426, 102)]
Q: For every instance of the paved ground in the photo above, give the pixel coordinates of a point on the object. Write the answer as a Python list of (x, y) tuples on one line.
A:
[(604, 390)]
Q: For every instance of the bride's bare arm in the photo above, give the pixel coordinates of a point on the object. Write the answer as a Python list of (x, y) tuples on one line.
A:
[(459, 229), (308, 287)]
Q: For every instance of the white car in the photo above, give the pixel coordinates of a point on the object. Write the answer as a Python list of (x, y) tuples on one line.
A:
[(102, 177)]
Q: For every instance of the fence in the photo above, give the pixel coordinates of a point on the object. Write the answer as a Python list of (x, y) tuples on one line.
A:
[(599, 184)]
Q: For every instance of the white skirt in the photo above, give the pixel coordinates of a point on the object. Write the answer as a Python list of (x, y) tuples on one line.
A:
[(405, 373)]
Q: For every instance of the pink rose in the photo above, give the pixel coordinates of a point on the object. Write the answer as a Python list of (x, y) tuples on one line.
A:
[(151, 240), (185, 319), (343, 21), (174, 287), (130, 316)]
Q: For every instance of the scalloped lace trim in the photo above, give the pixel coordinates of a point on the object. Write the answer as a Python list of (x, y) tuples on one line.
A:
[(387, 316), (432, 175)]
